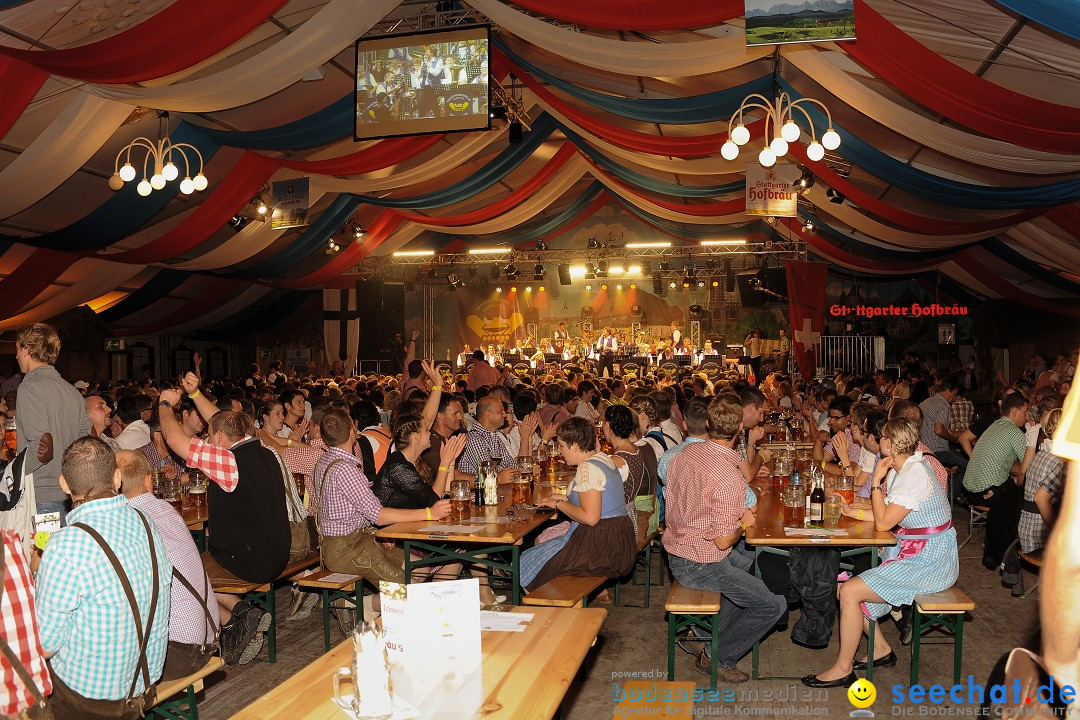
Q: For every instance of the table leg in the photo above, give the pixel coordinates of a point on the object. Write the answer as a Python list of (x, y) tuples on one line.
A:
[(515, 572), (871, 628), (715, 650), (756, 653), (408, 562), (325, 619)]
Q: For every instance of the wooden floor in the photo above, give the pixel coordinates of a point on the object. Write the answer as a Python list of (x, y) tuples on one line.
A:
[(633, 640)]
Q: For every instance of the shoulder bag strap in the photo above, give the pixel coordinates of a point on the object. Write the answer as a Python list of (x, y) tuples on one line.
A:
[(202, 601), (289, 485), (12, 658), (130, 594), (322, 485)]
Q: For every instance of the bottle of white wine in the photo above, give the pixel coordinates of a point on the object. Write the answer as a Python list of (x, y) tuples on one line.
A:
[(817, 503)]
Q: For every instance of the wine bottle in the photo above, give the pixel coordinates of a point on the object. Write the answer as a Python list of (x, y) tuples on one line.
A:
[(817, 503)]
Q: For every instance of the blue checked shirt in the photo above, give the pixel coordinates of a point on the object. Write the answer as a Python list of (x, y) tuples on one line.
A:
[(84, 616)]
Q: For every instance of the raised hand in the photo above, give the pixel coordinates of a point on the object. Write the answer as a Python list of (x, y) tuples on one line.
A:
[(171, 396), (431, 371), (451, 449), (190, 381)]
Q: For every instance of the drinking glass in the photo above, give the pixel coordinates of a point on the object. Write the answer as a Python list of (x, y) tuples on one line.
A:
[(846, 487), (10, 436), (794, 508), (831, 512), (520, 490), (781, 474), (460, 500)]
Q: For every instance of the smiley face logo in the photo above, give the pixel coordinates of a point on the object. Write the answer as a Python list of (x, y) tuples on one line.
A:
[(862, 693)]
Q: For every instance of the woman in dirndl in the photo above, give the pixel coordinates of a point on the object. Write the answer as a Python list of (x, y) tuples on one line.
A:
[(905, 498)]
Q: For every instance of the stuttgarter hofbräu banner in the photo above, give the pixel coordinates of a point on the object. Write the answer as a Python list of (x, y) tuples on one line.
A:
[(769, 191)]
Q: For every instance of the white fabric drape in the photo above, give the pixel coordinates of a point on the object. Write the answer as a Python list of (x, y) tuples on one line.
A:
[(574, 169), (242, 301), (822, 67), (663, 212), (1057, 250), (677, 59), (332, 329), (402, 237), (315, 42), (97, 277), (65, 146)]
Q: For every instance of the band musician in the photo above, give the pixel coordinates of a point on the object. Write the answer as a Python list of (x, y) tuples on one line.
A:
[(561, 338), (675, 340), (606, 347)]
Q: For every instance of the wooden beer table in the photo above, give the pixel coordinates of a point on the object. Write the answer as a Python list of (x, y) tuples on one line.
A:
[(524, 674), (768, 536), (196, 523), (488, 546)]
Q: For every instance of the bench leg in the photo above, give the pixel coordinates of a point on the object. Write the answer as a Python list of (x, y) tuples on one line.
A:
[(181, 708), (916, 636), (271, 635), (958, 646), (326, 620), (714, 623), (618, 588), (872, 628), (515, 572), (670, 647)]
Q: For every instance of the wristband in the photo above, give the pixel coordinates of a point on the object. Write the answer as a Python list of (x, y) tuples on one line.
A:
[(436, 387), (427, 513), (742, 525), (288, 442), (859, 516), (875, 487), (443, 468), (194, 394)]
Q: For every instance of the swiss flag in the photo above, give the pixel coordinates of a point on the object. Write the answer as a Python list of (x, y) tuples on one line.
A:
[(806, 292)]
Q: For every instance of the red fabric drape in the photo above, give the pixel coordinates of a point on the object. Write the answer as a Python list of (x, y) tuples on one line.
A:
[(376, 157), (903, 218), (696, 146), (182, 35), (806, 290), (21, 83), (504, 204), (203, 302), (638, 14), (937, 83), (998, 284), (234, 191), (377, 231), (32, 277)]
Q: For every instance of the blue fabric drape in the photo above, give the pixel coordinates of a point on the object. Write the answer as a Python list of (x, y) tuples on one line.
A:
[(332, 123), (1060, 15), (125, 212), (710, 107), (999, 248), (494, 171), (257, 320), (157, 287), (310, 241), (939, 189)]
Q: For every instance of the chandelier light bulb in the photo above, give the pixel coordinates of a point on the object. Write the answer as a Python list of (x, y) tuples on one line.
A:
[(767, 157), (815, 151), (116, 182), (790, 131), (740, 135), (127, 173), (729, 150), (169, 172), (157, 181), (779, 146), (831, 139), (144, 188), (187, 186), (200, 182)]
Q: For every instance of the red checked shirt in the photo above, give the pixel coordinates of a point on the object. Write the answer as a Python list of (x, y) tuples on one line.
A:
[(219, 464), (18, 626), (705, 496)]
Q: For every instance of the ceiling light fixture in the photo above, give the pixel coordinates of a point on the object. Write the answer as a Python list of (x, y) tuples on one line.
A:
[(414, 253), (591, 244), (835, 196), (720, 243), (489, 251), (645, 245), (805, 181), (164, 169), (779, 117)]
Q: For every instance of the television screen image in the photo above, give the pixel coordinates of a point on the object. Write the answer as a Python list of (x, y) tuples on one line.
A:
[(425, 82)]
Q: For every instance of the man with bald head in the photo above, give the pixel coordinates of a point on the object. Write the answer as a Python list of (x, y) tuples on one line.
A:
[(484, 441)]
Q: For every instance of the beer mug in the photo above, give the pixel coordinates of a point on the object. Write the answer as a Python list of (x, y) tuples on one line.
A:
[(460, 500), (369, 674)]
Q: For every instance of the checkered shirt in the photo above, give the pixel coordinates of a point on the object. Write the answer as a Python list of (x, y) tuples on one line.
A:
[(153, 457), (302, 459), (1046, 471), (345, 503), (84, 614), (219, 464), (935, 409), (18, 625), (187, 620), (705, 497), (1002, 444), (961, 412), (480, 445), (854, 451)]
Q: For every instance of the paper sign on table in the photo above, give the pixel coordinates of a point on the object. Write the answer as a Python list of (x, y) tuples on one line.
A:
[(503, 621), (338, 578), (814, 532), (449, 529)]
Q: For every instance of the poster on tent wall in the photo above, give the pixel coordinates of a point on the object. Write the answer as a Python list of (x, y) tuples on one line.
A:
[(769, 192), (774, 22), (487, 318), (290, 204)]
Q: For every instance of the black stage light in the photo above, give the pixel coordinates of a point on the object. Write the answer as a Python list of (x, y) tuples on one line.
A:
[(564, 274)]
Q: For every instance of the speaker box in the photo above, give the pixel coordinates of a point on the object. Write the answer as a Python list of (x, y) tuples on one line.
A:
[(385, 307), (514, 134), (564, 274)]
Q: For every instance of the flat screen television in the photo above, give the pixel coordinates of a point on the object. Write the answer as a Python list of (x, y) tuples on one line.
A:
[(425, 82)]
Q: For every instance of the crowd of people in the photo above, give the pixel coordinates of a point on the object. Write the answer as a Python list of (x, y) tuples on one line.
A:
[(122, 597)]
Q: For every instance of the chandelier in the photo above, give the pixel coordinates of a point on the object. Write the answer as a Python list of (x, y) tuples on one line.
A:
[(163, 153), (779, 114)]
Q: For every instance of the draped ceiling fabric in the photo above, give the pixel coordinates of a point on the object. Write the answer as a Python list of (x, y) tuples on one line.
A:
[(962, 143)]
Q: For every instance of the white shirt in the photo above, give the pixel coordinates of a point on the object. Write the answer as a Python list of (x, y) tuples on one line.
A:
[(587, 411), (671, 429), (607, 342), (135, 436)]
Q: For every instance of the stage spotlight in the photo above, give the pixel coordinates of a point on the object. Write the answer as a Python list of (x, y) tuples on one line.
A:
[(695, 312), (657, 285), (528, 288), (497, 112), (590, 272), (592, 243), (716, 283), (493, 273), (633, 286), (602, 268), (358, 232), (410, 283), (238, 222), (835, 196), (542, 288), (498, 289), (564, 274), (808, 225), (453, 280), (510, 270), (538, 272), (588, 287), (805, 181), (513, 288), (665, 266), (701, 283), (673, 285), (646, 268), (604, 286), (689, 275), (540, 244)]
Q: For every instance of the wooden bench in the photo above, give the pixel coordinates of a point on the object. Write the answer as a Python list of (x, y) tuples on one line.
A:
[(351, 590), (566, 591), (977, 516), (1032, 558), (689, 608), (942, 615), (645, 543), (184, 706), (260, 595)]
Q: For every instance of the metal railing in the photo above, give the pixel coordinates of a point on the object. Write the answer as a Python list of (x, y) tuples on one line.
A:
[(858, 354)]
